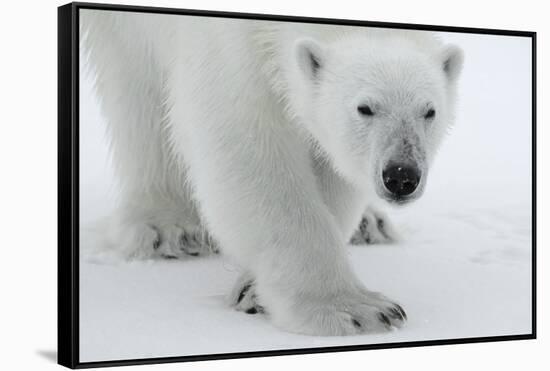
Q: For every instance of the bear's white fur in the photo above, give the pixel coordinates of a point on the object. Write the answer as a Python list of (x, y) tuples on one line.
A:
[(250, 130)]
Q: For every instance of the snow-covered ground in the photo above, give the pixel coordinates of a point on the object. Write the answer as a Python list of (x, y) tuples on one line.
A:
[(462, 269)]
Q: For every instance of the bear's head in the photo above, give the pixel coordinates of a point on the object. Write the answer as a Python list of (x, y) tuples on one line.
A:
[(378, 105)]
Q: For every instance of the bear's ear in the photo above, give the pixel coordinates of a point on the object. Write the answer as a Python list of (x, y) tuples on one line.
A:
[(452, 60), (310, 57)]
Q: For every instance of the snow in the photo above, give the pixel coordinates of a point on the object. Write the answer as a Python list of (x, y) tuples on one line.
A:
[(462, 267)]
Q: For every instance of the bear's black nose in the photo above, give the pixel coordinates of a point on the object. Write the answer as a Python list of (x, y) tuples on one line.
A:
[(401, 180)]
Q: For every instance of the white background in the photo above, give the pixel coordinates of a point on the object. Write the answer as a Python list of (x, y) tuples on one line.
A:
[(28, 204)]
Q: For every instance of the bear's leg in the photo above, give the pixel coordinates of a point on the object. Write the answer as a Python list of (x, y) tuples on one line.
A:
[(258, 193), (155, 215), (346, 202)]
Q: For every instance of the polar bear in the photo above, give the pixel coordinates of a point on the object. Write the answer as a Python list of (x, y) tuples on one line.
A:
[(269, 140)]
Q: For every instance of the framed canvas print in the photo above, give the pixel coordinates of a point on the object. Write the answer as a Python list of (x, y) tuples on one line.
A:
[(237, 185)]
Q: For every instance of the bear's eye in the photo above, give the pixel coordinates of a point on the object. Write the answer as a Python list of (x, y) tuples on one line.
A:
[(430, 114), (365, 110)]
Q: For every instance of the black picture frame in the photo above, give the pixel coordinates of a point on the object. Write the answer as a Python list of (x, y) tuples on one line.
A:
[(68, 183)]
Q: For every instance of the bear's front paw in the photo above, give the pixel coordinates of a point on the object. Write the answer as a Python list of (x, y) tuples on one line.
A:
[(374, 228), (345, 314), (243, 296)]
